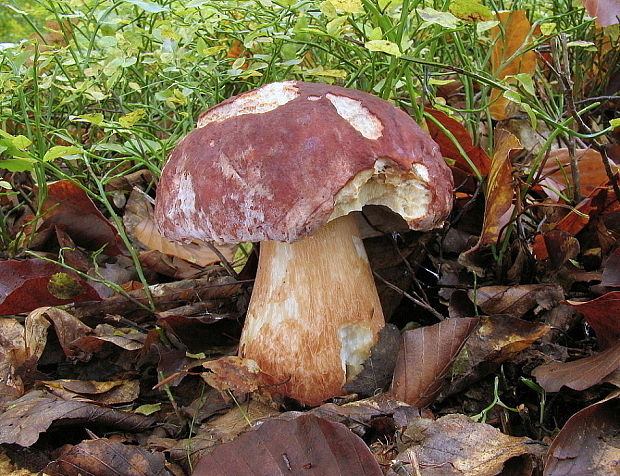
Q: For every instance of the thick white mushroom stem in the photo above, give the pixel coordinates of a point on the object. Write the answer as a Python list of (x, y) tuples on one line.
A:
[(314, 313)]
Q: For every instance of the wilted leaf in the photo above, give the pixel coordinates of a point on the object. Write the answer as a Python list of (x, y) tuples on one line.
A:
[(578, 374), (476, 154), (305, 444), (29, 416), (587, 444), (104, 457), (236, 374), (603, 314), (425, 357), (461, 447), (605, 11), (25, 285), (511, 38), (516, 300), (498, 199)]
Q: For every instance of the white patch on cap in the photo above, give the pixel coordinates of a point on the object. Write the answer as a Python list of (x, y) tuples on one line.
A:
[(404, 192), (313, 98), (259, 101), (357, 115)]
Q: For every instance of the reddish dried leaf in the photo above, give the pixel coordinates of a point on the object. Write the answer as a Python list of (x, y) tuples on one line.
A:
[(476, 153), (105, 457), (561, 247), (516, 300), (605, 11), (28, 284), (454, 445), (508, 40), (587, 444), (425, 357), (236, 374), (307, 444), (558, 174), (578, 374), (127, 339), (29, 416), (69, 207), (603, 314), (498, 198)]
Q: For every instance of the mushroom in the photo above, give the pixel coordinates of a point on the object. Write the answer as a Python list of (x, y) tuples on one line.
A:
[(284, 165)]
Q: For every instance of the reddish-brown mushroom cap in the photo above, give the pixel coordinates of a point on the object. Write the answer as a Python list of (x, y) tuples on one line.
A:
[(278, 162)]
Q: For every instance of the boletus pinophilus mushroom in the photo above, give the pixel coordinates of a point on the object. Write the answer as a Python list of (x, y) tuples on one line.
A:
[(284, 165)]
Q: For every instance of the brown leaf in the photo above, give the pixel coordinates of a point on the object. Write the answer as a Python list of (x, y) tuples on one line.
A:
[(578, 374), (425, 357), (127, 339), (498, 199), (307, 444), (13, 355), (603, 314), (561, 247), (476, 153), (508, 40), (32, 283), (611, 270), (516, 300), (29, 416), (68, 328), (587, 444), (605, 11), (455, 445), (104, 457), (236, 374), (105, 393)]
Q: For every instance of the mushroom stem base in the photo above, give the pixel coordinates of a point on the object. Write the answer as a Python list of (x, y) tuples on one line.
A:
[(314, 313)]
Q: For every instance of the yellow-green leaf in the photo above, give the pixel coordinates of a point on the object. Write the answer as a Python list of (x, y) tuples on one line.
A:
[(60, 151), (96, 118), (349, 6), (470, 10), (128, 120), (436, 17), (384, 46)]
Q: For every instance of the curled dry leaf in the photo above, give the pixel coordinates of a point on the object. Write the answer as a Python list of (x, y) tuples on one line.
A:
[(104, 457), (105, 393), (516, 300), (104, 334), (454, 445), (34, 413), (498, 200), (307, 444), (603, 314), (587, 444), (578, 374), (510, 56), (236, 374), (425, 357), (32, 283)]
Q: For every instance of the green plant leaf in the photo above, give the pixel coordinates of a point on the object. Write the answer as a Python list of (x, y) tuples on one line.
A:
[(17, 165), (129, 119), (150, 7), (527, 82), (95, 118), (60, 151), (470, 10), (436, 17)]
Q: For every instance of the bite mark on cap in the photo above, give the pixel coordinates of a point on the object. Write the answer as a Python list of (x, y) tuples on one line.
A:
[(360, 118), (259, 101)]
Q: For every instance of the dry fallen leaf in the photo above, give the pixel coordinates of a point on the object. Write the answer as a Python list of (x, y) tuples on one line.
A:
[(36, 412), (305, 445), (516, 300), (510, 39), (454, 445), (104, 457), (498, 200), (587, 444), (425, 357), (13, 355), (104, 393), (236, 374), (578, 374)]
